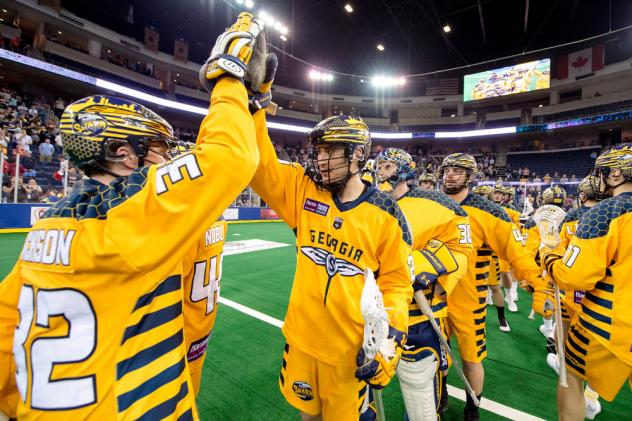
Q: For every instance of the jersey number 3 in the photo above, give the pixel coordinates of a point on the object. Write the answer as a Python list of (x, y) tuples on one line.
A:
[(207, 288), (45, 352)]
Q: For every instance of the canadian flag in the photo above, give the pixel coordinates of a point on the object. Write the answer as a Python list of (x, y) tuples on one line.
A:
[(580, 63)]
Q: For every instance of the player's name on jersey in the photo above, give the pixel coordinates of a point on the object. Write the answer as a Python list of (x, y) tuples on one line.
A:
[(335, 245), (49, 247), (214, 235)]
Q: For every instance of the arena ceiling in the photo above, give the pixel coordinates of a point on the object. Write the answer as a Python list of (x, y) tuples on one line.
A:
[(322, 33)]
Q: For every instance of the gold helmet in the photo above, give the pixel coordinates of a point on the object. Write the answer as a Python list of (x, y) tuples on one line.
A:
[(618, 157), (427, 177), (554, 196), (89, 125), (347, 131), (483, 190), (590, 188), (459, 160), (403, 162)]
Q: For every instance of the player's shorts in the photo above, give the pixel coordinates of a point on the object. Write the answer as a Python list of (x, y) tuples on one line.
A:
[(469, 329), (504, 266), (588, 359), (422, 341), (494, 272), (571, 304), (315, 387)]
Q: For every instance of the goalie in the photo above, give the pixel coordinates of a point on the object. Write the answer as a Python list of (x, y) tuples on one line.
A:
[(597, 261), (441, 246)]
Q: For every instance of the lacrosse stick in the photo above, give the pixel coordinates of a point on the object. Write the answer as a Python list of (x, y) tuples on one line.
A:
[(424, 306), (375, 334), (548, 219)]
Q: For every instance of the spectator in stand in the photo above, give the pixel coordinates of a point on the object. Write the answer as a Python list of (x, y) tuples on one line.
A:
[(556, 176), (11, 168), (564, 179), (24, 141), (32, 191), (59, 107), (573, 178), (8, 190), (569, 202), (547, 178), (52, 196), (46, 151), (526, 172), (4, 140)]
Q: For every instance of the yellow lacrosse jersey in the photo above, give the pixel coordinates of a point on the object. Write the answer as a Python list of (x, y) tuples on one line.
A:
[(503, 265), (100, 327), (433, 215), (201, 284), (572, 299), (514, 215), (597, 261), (492, 231), (335, 242), (531, 235)]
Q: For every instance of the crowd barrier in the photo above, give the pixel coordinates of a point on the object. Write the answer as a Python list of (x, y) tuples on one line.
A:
[(24, 215)]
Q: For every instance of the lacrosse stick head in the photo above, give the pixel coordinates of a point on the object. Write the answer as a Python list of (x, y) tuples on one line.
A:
[(375, 317), (549, 219)]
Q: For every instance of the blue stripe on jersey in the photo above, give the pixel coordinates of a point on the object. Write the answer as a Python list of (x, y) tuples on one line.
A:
[(481, 288), (166, 408), (168, 375), (147, 355), (152, 320), (187, 416), (596, 316), (439, 306), (170, 284), (594, 329), (604, 286), (598, 300)]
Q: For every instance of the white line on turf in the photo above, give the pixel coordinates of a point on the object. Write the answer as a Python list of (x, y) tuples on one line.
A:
[(487, 404)]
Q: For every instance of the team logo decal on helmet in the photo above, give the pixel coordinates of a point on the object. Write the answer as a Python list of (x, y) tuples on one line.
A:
[(554, 196)]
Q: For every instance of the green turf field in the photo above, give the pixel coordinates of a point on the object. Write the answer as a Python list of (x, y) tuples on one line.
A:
[(244, 354)]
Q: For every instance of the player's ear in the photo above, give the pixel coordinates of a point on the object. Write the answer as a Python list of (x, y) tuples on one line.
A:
[(128, 157)]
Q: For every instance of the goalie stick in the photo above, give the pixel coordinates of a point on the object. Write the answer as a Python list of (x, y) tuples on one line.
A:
[(424, 306)]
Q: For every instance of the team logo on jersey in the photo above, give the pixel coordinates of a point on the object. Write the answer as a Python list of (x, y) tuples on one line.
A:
[(303, 390), (337, 223), (315, 206), (333, 265), (578, 296)]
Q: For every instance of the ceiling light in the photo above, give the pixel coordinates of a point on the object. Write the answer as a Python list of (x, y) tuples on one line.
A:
[(109, 51), (284, 30), (316, 75), (4, 10), (283, 38), (1, 20), (540, 106), (59, 32), (453, 115), (387, 81), (380, 47), (249, 4), (447, 29), (278, 26), (348, 8), (239, 1), (178, 74)]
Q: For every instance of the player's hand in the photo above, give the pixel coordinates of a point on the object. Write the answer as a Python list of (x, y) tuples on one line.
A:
[(543, 303), (379, 371), (548, 257), (424, 280), (232, 51), (259, 94)]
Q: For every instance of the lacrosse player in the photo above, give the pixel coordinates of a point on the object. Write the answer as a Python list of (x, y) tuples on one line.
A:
[(551, 196), (588, 195), (343, 226), (441, 246), (492, 231), (595, 261), (99, 278), (427, 181)]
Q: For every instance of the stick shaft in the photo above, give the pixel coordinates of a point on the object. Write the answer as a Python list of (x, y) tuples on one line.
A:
[(424, 306), (559, 338)]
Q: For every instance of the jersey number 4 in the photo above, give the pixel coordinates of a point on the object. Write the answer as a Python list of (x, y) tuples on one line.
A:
[(207, 288), (45, 352)]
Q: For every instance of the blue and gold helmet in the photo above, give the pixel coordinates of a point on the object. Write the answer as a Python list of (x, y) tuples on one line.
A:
[(590, 188), (483, 190), (404, 166), (554, 196), (88, 125), (618, 157), (427, 177)]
